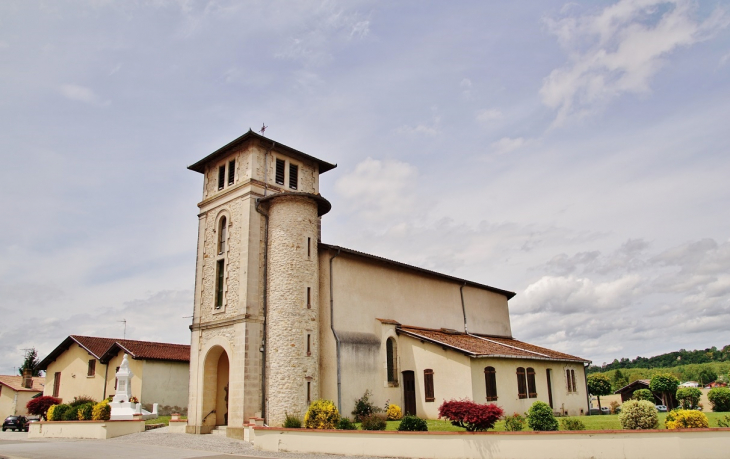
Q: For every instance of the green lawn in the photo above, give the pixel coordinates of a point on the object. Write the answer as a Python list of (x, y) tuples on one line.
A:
[(603, 422), (159, 420)]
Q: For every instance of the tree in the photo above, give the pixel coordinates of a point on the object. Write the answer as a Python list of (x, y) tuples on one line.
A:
[(665, 384), (689, 397), (643, 394), (619, 380), (707, 375), (30, 362), (598, 385), (40, 405)]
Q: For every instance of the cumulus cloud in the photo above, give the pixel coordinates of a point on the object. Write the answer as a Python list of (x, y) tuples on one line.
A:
[(487, 116), (379, 188), (619, 50), (82, 94), (507, 145)]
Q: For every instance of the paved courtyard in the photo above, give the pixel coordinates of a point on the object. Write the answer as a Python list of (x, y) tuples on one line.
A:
[(153, 444)]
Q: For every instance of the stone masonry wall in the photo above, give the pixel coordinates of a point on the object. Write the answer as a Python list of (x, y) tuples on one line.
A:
[(292, 220)]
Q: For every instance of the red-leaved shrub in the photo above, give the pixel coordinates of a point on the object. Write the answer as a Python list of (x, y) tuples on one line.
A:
[(469, 415), (40, 405)]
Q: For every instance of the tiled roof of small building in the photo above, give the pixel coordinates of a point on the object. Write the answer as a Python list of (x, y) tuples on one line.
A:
[(106, 348), (16, 383), (485, 346)]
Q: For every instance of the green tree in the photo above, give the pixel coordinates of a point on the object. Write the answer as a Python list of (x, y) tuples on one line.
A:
[(31, 361), (598, 385), (665, 384), (643, 394), (619, 380), (707, 375), (689, 397)]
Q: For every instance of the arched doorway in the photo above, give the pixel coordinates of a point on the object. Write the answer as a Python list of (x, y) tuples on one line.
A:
[(215, 387)]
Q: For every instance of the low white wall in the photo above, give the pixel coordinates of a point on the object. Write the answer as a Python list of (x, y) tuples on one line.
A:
[(667, 444), (84, 429), (178, 426)]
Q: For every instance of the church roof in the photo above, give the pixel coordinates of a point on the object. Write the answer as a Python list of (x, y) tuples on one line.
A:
[(324, 166), (481, 346), (16, 383), (104, 349), (506, 293)]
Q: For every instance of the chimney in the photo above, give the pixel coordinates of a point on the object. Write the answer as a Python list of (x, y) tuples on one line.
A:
[(27, 378)]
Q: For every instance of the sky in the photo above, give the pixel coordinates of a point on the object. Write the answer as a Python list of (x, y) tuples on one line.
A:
[(574, 153)]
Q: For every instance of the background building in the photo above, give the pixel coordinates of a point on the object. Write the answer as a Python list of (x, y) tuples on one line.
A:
[(16, 392)]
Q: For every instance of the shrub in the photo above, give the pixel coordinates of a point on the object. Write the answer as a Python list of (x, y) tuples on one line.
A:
[(59, 412), (638, 414), (374, 422), (292, 422), (85, 412), (71, 414), (686, 419), (572, 424), (322, 414), (614, 407), (363, 407), (470, 415), (40, 405), (642, 394), (393, 412), (49, 413), (514, 423), (719, 397), (82, 400), (689, 397), (413, 424), (346, 424), (102, 411), (723, 422), (540, 417)]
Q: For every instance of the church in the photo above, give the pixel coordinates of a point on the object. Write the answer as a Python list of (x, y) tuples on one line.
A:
[(282, 318)]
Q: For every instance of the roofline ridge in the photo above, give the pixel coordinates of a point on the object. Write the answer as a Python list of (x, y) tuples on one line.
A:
[(510, 346)]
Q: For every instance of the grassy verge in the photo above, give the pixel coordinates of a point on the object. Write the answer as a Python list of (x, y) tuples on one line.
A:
[(159, 420)]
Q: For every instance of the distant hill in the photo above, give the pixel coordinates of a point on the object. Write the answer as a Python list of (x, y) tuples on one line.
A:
[(669, 360)]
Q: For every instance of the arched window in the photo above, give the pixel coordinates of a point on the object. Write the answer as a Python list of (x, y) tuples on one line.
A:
[(490, 378), (222, 227), (531, 390), (391, 359), (521, 386)]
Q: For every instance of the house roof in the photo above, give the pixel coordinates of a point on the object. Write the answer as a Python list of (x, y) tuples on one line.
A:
[(638, 384), (16, 383), (481, 346), (105, 348), (357, 253), (324, 166)]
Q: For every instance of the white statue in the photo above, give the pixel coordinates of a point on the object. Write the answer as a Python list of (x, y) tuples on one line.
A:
[(124, 382), (122, 408)]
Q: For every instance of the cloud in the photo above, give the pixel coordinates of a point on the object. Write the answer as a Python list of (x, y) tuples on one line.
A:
[(423, 129), (507, 145), (82, 94), (379, 188), (619, 50), (724, 59), (487, 116)]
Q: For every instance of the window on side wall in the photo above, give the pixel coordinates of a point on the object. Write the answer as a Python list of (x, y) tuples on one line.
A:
[(531, 390), (391, 350), (92, 368), (521, 383), (490, 379), (219, 284), (231, 171), (570, 378), (222, 227), (56, 383), (428, 385)]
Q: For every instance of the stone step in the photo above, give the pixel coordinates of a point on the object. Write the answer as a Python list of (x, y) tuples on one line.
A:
[(219, 430)]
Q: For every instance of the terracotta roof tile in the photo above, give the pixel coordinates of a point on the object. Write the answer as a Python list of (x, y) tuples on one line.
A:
[(486, 346), (16, 383), (155, 351)]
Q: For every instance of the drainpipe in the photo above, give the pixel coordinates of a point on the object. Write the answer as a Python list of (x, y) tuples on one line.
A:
[(106, 373), (463, 307), (588, 396), (264, 306), (337, 338)]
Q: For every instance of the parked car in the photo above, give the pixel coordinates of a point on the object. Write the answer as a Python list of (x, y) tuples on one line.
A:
[(605, 410), (15, 423), (661, 408)]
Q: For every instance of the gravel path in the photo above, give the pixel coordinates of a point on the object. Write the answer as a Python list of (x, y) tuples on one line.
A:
[(214, 443)]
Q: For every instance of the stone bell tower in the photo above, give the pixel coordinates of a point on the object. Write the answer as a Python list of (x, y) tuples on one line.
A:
[(254, 344)]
